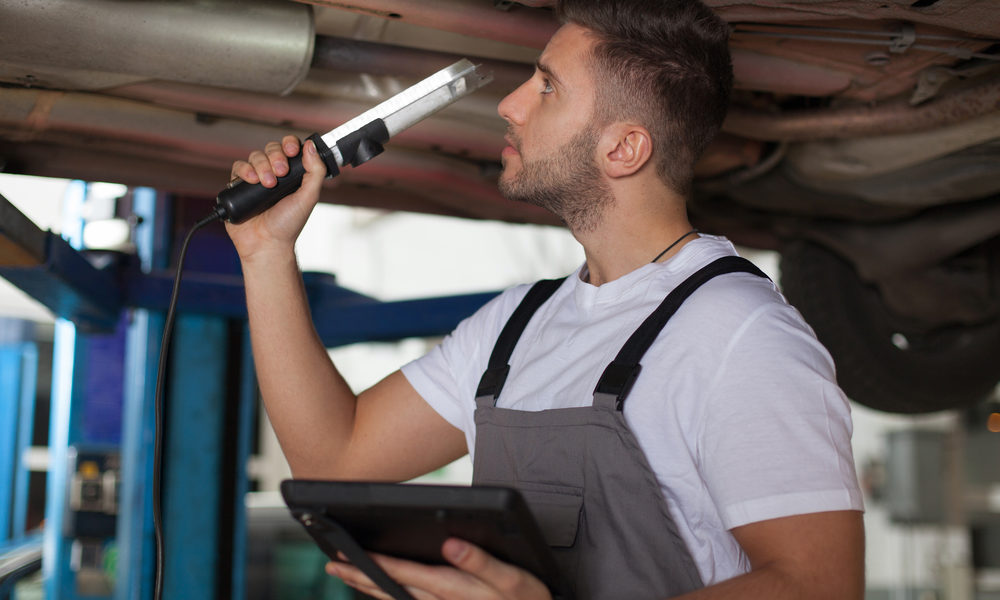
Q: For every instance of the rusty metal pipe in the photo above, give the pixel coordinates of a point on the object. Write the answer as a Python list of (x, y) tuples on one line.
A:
[(893, 117), (531, 28), (340, 54), (448, 130), (37, 113), (59, 43), (523, 27)]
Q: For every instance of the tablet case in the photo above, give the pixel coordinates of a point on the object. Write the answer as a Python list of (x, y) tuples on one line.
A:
[(412, 521)]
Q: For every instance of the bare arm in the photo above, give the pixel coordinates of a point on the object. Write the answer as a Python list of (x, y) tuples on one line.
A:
[(818, 556), (325, 431)]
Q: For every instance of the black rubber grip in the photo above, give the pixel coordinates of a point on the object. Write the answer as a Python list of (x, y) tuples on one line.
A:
[(245, 200), (242, 201)]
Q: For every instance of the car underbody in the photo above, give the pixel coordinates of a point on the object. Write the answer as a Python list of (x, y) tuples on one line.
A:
[(862, 142)]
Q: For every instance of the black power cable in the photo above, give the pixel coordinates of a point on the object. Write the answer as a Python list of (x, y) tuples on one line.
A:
[(168, 326)]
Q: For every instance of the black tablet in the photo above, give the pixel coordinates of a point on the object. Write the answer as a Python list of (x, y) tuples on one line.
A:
[(412, 521)]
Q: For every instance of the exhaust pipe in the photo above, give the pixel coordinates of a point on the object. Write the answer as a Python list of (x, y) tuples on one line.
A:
[(256, 45)]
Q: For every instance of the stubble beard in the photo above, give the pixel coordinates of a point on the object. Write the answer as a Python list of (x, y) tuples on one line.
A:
[(567, 183)]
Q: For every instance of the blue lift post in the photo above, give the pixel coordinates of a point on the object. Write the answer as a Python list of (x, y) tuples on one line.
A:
[(194, 446), (135, 524), (20, 549), (205, 447), (64, 422), (18, 372), (203, 458), (245, 415), (211, 396)]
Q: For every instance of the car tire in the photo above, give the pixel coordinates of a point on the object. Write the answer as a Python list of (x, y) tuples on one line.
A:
[(881, 363)]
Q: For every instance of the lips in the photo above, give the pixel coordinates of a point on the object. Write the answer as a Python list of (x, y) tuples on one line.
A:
[(512, 145)]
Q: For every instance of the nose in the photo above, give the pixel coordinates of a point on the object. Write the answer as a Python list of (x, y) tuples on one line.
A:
[(512, 108)]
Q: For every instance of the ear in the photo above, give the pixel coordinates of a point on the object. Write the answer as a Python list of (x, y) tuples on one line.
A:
[(626, 148)]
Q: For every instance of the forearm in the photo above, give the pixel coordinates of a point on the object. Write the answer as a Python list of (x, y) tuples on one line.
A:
[(310, 405), (762, 583), (774, 584), (817, 556)]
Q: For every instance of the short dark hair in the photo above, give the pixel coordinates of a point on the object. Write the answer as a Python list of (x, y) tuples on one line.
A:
[(665, 64)]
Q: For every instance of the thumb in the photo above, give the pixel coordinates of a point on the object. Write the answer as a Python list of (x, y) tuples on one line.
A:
[(315, 168)]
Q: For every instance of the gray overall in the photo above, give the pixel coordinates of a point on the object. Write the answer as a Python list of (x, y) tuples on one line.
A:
[(581, 470)]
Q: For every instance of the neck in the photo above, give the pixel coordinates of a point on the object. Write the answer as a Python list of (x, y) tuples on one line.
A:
[(630, 237)]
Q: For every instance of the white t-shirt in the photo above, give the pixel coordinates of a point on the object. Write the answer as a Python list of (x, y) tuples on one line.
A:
[(736, 407)]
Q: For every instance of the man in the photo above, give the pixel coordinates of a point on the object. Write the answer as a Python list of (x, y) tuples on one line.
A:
[(722, 469)]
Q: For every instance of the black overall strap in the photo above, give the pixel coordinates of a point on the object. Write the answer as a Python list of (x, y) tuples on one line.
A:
[(619, 376), (496, 372)]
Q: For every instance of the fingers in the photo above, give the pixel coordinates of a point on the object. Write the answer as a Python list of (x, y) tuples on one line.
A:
[(478, 576), (508, 580), (291, 144), (475, 561), (356, 579), (243, 170), (266, 166)]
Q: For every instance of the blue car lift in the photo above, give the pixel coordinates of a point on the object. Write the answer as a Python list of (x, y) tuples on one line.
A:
[(20, 549), (18, 368), (105, 354)]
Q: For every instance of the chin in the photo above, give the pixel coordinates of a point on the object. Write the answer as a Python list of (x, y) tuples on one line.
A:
[(507, 174)]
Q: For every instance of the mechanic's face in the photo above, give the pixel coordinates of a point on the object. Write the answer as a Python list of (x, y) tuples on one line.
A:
[(550, 159)]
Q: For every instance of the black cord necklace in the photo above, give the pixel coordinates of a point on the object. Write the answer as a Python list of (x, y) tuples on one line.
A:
[(670, 247)]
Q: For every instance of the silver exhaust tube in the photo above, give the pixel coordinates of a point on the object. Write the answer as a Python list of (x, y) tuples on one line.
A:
[(254, 45)]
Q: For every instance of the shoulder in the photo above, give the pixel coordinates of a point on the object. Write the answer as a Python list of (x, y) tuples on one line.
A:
[(738, 327), (726, 301)]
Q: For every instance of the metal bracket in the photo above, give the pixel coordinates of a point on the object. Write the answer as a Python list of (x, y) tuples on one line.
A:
[(901, 43), (929, 83)]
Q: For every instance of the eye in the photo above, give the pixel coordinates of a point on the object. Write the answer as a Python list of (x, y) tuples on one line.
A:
[(547, 86)]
